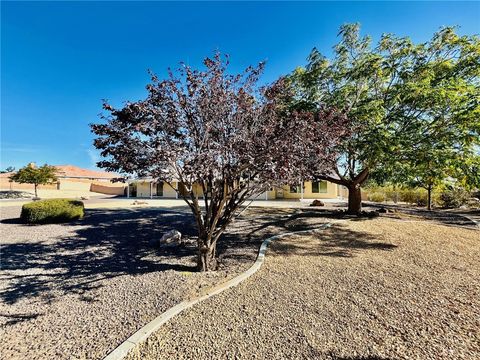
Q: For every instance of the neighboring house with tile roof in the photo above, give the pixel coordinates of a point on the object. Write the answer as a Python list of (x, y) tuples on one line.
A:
[(75, 172), (74, 178)]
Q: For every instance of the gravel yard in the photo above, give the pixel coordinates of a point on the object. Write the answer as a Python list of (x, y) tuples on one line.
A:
[(75, 291), (370, 289)]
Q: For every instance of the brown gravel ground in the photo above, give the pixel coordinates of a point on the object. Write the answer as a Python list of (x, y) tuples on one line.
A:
[(370, 289), (76, 291)]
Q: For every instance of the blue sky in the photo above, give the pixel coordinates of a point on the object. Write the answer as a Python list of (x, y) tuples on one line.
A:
[(59, 59)]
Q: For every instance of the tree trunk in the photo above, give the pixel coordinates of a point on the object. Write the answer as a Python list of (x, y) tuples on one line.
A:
[(354, 199), (429, 197), (35, 186), (206, 260)]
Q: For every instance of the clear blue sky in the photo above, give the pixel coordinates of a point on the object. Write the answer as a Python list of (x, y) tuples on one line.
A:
[(58, 60)]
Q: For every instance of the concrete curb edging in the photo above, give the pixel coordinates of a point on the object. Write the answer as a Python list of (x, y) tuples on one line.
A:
[(475, 222), (141, 335)]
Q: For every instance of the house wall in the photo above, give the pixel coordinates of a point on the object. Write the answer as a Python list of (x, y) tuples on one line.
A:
[(75, 185), (168, 191), (110, 189), (5, 184), (266, 195), (143, 190), (81, 185), (197, 189), (331, 193)]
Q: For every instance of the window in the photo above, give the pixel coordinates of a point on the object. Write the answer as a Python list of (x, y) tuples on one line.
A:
[(319, 187), (295, 188), (159, 191)]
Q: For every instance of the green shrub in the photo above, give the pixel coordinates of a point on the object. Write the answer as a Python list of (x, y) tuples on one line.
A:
[(422, 200), (453, 198), (392, 194), (376, 197), (377, 193), (414, 196), (52, 211)]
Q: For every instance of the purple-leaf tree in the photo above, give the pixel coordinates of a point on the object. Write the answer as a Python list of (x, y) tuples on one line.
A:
[(220, 132)]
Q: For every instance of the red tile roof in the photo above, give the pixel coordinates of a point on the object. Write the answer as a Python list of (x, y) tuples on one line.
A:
[(77, 172), (7, 175)]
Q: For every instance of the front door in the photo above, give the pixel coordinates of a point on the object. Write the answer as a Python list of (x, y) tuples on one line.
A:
[(159, 189)]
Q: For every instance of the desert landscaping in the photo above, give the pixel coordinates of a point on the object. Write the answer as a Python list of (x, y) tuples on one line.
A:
[(359, 290), (85, 287), (240, 180)]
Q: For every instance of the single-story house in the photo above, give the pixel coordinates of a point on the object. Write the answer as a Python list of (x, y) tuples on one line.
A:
[(72, 178), (149, 188)]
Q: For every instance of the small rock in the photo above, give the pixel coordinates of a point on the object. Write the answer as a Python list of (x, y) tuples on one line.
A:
[(85, 197)]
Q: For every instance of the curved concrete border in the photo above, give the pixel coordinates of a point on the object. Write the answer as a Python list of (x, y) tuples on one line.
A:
[(141, 335), (475, 222)]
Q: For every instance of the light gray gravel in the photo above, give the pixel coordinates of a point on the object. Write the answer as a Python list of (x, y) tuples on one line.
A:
[(16, 194), (76, 291), (371, 289)]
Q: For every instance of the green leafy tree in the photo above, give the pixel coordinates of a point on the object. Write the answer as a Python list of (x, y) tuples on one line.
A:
[(396, 95), (31, 174), (441, 143)]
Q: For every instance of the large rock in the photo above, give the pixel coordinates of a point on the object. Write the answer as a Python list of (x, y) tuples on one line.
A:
[(170, 238), (317, 203), (173, 237)]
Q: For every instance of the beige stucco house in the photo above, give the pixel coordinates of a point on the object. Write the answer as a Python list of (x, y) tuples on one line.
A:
[(72, 178), (149, 188)]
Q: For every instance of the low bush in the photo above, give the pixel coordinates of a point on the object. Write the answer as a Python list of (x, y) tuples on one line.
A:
[(377, 193), (414, 196), (52, 211), (454, 197), (376, 197), (392, 194)]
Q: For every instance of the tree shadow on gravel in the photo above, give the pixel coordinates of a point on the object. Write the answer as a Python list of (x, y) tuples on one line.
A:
[(337, 241), (16, 318), (268, 222), (105, 244), (443, 217), (368, 357), (261, 223), (110, 243)]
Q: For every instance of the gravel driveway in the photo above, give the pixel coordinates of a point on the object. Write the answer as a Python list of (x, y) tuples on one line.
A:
[(369, 289)]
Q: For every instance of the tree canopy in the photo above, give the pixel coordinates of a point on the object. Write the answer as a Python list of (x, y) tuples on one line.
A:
[(403, 99), (31, 174)]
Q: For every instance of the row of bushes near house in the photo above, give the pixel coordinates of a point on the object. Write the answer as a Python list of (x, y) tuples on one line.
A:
[(448, 197), (52, 211)]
